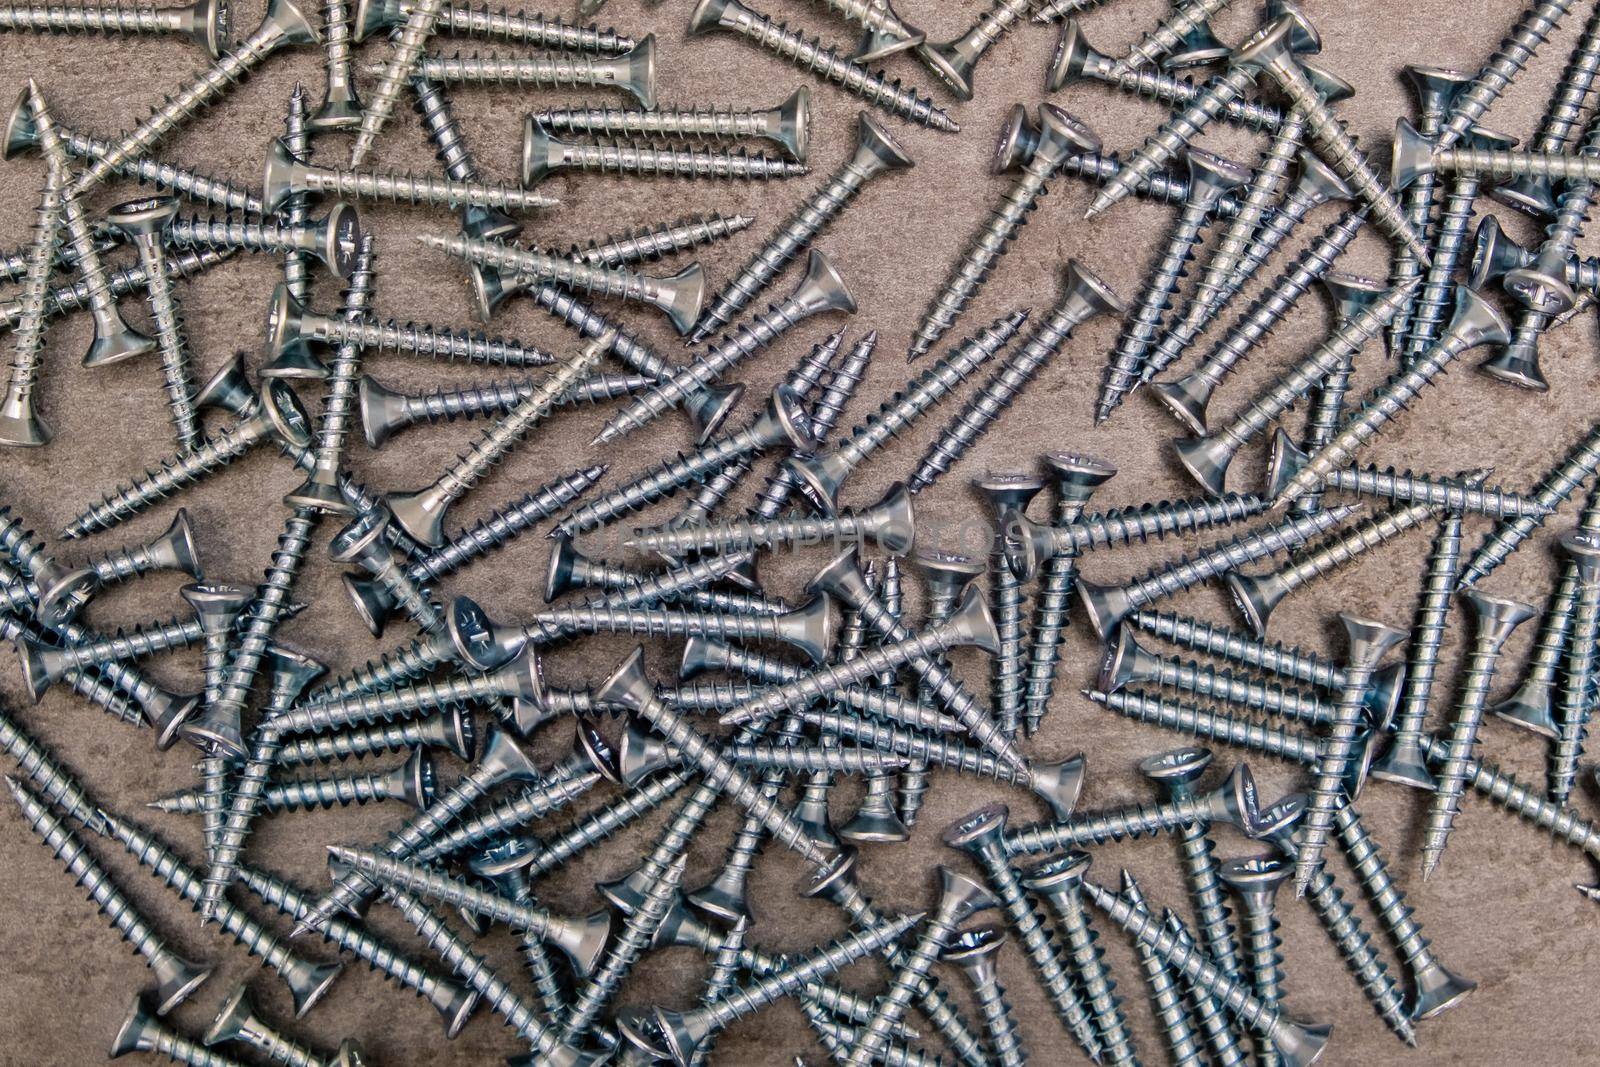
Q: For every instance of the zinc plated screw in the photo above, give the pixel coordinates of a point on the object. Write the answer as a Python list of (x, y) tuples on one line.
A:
[(1298, 1044), (1367, 642), (1173, 30), (945, 577), (402, 62), (1256, 596), (54, 783), (341, 106), (974, 951), (1210, 177), (1273, 53), (1008, 496), (114, 340), (1187, 397), (297, 209), (175, 977), (1035, 543), (1256, 881), (146, 222), (307, 980), (810, 629), (824, 473), (1084, 295), (1074, 479), (1558, 483), (1059, 882), (544, 154), (385, 412), (889, 525), (464, 20), (451, 730), (1405, 763), (332, 239), (787, 124), (1573, 708), (284, 24), (74, 295), (1207, 458), (954, 61), (1162, 188), (876, 153), (286, 176), (820, 290), (206, 22), (839, 1037), (807, 53), (361, 542), (141, 1031), (884, 32), (1226, 1048), (1515, 51), (1108, 605), (237, 1021), (1170, 1007), (498, 821), (1475, 322), (632, 71), (20, 424), (411, 782), (1129, 663), (1456, 496), (570, 569), (981, 835)]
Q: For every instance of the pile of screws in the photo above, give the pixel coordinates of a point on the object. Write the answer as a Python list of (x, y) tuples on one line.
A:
[(845, 683)]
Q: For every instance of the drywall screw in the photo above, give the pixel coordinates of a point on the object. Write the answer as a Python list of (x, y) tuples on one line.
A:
[(1558, 483), (54, 783), (1454, 495), (1257, 595), (1496, 619), (1405, 763), (1108, 605), (1008, 496), (401, 64), (889, 525), (1059, 882), (1036, 543), (1256, 881), (1436, 89), (411, 782), (876, 153), (1075, 58), (204, 21), (321, 487), (333, 239), (1367, 642), (1209, 177), (1207, 457), (286, 176), (808, 54), (1175, 773), (824, 473), (974, 951), (946, 576), (20, 423), (114, 340), (1128, 662), (1298, 1044), (464, 20), (1456, 214), (141, 1031), (648, 244), (175, 977), (496, 822), (981, 835), (307, 980), (284, 24), (1272, 52), (544, 155), (384, 412), (1571, 706), (145, 222), (237, 1021), (787, 124), (809, 629), (1169, 33), (451, 730), (453, 1002), (820, 290), (954, 61), (14, 263), (1172, 1013), (1475, 322), (341, 106), (1188, 396), (361, 542), (502, 761), (884, 31), (1075, 478), (678, 297), (1083, 297), (632, 71), (685, 1032)]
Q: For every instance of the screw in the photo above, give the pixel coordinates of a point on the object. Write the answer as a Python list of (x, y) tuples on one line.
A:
[(341, 105), (73, 296), (512, 813), (1128, 662), (1108, 605), (1162, 188), (204, 21), (1256, 880), (884, 31), (237, 1021), (890, 524), (1168, 34), (821, 290), (1188, 396), (286, 176), (1558, 483), (974, 951), (1035, 543), (402, 63), (1515, 51), (297, 210), (54, 784), (945, 577), (544, 155), (1368, 641), (787, 124), (1059, 882), (1008, 496), (20, 423), (1296, 1043), (981, 835), (334, 239), (451, 729), (1475, 322), (114, 340), (141, 1031), (1251, 732), (809, 629), (1083, 297), (411, 782), (1172, 1013), (570, 569), (1436, 89), (463, 20), (1209, 177), (1454, 495), (808, 54), (823, 474), (1572, 714), (632, 71), (1207, 457), (176, 977), (1456, 215), (652, 243)]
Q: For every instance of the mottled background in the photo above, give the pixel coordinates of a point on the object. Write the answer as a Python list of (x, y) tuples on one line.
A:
[(1501, 909)]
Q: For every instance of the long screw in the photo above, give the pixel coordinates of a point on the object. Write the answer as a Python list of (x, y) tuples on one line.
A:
[(1171, 1010), (288, 176), (1007, 496), (544, 154), (1455, 495), (396, 70), (1035, 543), (786, 124), (385, 412), (297, 209), (411, 782), (464, 20), (808, 54), (206, 21), (20, 423), (74, 295), (1558, 483), (1572, 709), (632, 71), (647, 244), (1519, 46), (141, 1031), (1129, 663)]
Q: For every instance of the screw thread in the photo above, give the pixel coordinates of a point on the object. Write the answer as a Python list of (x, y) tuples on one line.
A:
[(1516, 49), (1215, 917), (1365, 535), (362, 707), (408, 188), (1088, 963), (1355, 945), (1188, 571), (412, 660), (1263, 955), (617, 158), (508, 815), (1256, 208), (1432, 306), (1007, 680), (907, 979), (1243, 731), (1172, 1014), (297, 209), (1049, 615), (1446, 494), (306, 794), (504, 524), (425, 339), (541, 31), (1169, 33), (73, 295), (1152, 522), (590, 323), (23, 372), (85, 18), (1220, 683), (256, 235), (404, 61), (267, 610), (608, 820), (881, 703), (1559, 483), (638, 930), (1573, 707), (710, 122), (1163, 187), (179, 1049), (170, 336), (665, 479), (53, 782), (648, 244), (1366, 859), (1152, 83), (1103, 827), (134, 642), (340, 392), (1217, 640), (1452, 776), (596, 280), (1427, 630)]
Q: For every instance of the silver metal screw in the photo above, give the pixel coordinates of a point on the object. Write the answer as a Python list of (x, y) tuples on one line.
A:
[(287, 176)]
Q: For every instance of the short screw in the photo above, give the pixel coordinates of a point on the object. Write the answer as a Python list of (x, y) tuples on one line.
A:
[(287, 175), (1059, 135), (175, 977), (1558, 483), (1256, 882), (808, 54), (1209, 178), (1083, 297)]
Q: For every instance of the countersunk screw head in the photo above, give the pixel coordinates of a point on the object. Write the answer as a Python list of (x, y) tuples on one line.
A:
[(1018, 139), (146, 215), (1178, 767), (1061, 872), (478, 640)]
